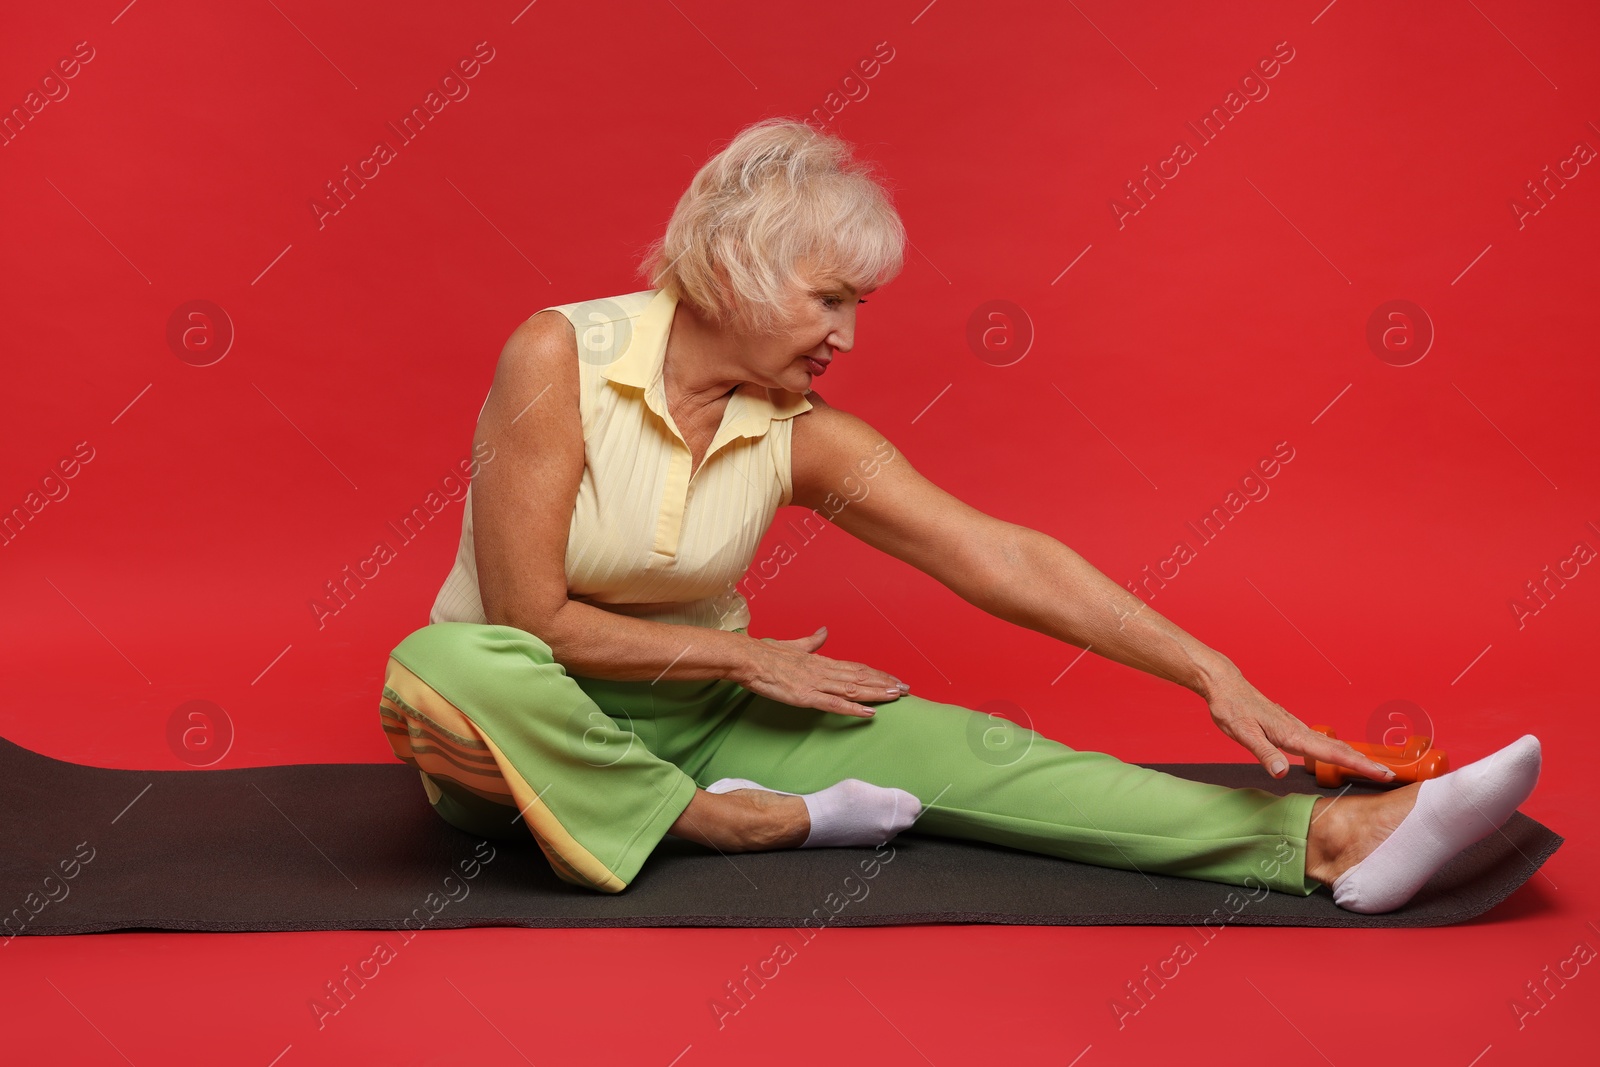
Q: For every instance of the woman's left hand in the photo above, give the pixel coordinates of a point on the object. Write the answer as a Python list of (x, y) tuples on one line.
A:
[(1241, 711)]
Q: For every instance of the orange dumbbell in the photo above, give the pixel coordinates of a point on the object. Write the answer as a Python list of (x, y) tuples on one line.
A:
[(1413, 761)]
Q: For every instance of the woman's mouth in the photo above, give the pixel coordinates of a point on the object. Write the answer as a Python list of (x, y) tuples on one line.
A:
[(817, 369)]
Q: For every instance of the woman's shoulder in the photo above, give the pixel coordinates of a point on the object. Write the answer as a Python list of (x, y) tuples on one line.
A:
[(545, 338), (828, 439), (816, 399), (557, 346), (551, 332), (602, 309), (817, 434)]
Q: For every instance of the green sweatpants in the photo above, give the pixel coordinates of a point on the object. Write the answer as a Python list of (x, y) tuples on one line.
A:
[(509, 743)]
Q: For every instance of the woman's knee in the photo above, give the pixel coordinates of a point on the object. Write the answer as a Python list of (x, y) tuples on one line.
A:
[(481, 673), (476, 817), (999, 735), (469, 644)]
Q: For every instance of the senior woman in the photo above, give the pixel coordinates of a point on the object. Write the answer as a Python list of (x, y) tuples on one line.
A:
[(587, 668)]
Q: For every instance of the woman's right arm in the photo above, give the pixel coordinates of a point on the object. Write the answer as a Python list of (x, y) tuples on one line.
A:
[(522, 514), (522, 502)]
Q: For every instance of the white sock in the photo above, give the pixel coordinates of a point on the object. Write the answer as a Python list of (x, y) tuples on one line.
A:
[(851, 812), (1452, 812)]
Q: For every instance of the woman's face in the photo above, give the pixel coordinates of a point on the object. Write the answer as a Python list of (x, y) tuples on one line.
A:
[(822, 323)]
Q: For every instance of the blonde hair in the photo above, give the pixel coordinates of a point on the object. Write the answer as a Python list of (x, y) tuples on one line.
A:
[(780, 192)]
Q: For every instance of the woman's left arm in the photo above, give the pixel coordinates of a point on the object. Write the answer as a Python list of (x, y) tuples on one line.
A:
[(1040, 583), (870, 490)]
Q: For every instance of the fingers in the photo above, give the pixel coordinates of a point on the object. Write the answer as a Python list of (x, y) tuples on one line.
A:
[(853, 682), (869, 680), (835, 703), (862, 682), (809, 643), (1306, 742), (1270, 757), (838, 686), (1326, 749)]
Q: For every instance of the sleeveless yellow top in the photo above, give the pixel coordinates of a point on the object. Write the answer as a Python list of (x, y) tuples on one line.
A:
[(647, 538)]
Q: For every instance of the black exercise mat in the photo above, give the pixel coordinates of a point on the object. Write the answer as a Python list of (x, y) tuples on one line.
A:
[(356, 846)]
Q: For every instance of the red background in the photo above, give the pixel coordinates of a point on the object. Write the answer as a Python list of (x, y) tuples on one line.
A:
[(1227, 315)]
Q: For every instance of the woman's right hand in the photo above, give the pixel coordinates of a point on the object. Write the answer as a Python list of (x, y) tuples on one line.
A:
[(791, 672)]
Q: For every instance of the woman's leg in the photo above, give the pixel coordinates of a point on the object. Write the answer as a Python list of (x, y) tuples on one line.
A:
[(498, 728), (983, 778)]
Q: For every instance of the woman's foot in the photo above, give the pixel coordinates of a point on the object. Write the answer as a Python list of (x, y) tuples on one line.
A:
[(738, 815), (1346, 829), (846, 814), (744, 820), (1376, 852)]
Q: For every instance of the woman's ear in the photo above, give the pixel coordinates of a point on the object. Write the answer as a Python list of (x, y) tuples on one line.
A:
[(727, 313)]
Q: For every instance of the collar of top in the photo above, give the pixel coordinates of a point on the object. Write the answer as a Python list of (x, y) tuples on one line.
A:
[(751, 408)]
